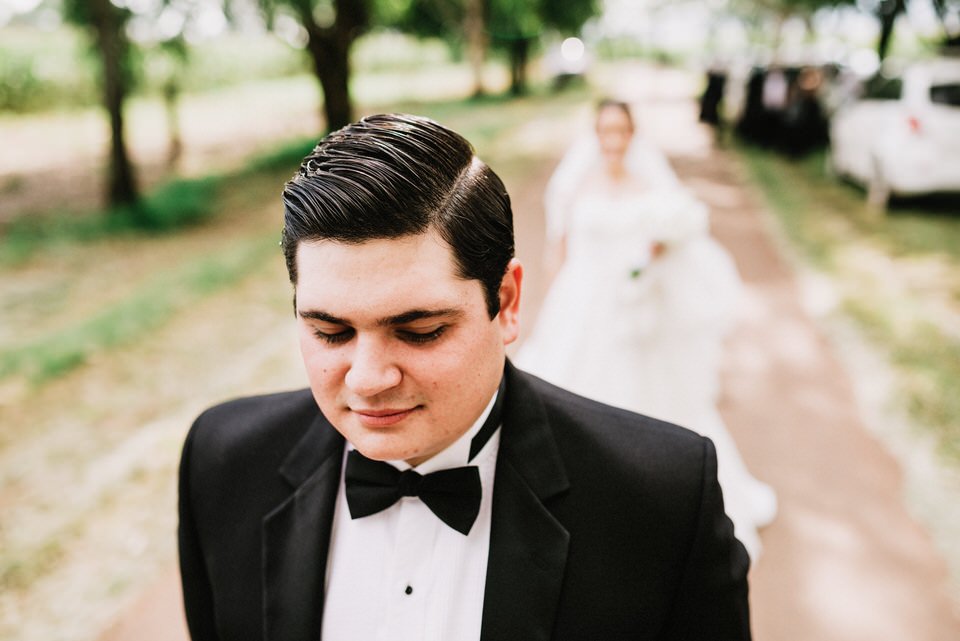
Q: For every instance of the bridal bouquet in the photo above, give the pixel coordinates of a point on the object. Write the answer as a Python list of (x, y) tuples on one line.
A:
[(670, 217), (674, 216), (694, 284)]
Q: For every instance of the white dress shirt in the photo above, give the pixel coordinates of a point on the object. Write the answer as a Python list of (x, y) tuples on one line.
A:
[(403, 574)]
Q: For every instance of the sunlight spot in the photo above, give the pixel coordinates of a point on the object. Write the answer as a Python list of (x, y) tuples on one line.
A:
[(290, 31), (572, 49), (208, 23)]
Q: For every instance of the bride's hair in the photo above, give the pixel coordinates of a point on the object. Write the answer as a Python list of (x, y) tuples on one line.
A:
[(611, 103)]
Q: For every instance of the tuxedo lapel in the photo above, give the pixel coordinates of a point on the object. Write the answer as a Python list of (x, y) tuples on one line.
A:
[(528, 546), (296, 537)]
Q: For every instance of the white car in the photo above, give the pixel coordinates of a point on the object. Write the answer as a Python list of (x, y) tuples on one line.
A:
[(902, 136)]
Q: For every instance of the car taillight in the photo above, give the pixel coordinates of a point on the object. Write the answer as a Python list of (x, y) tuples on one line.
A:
[(914, 124)]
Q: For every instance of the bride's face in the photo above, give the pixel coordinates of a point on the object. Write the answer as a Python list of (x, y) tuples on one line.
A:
[(614, 131)]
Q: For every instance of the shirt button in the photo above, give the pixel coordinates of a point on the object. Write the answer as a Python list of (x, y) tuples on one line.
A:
[(408, 590)]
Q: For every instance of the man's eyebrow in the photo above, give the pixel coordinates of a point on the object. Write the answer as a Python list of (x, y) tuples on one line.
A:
[(419, 314), (398, 319), (321, 316)]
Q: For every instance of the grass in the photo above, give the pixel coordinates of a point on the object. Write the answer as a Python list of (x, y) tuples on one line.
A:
[(19, 571), (814, 208), (928, 364), (794, 206), (836, 232), (176, 204), (285, 157), (172, 208), (152, 305)]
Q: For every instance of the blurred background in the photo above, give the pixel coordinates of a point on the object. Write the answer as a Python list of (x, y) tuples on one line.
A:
[(143, 146)]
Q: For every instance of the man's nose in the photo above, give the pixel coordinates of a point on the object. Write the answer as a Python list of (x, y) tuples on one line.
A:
[(372, 369)]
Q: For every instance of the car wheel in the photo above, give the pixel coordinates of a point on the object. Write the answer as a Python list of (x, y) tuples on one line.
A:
[(878, 190)]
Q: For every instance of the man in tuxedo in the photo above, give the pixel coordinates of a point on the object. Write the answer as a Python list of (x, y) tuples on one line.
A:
[(423, 488)]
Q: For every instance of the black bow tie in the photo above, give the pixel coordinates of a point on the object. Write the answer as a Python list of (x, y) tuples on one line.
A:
[(452, 494)]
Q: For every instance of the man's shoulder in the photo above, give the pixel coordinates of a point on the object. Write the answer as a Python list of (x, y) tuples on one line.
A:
[(569, 411), (656, 467), (254, 422), (264, 407), (601, 440)]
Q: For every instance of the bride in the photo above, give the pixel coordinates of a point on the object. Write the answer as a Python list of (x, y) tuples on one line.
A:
[(641, 300)]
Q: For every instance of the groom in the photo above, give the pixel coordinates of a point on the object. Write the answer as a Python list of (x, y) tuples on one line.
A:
[(424, 488)]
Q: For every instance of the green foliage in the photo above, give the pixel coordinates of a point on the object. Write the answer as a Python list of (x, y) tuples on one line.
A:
[(40, 70), (423, 18), (794, 206), (19, 570), (176, 204), (168, 209), (22, 87), (929, 362), (173, 205), (287, 157), (110, 21), (507, 20), (568, 15), (387, 13), (514, 20), (130, 319)]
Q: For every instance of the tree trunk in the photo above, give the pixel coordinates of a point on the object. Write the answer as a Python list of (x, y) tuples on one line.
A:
[(112, 46), (890, 10), (171, 99), (473, 27), (519, 51), (331, 63), (329, 49)]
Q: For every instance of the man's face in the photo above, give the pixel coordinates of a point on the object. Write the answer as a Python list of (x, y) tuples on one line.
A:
[(401, 353)]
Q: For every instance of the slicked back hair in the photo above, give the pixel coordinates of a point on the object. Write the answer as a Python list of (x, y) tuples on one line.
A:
[(395, 175)]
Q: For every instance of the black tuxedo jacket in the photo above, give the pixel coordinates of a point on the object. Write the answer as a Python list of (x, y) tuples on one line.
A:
[(606, 524)]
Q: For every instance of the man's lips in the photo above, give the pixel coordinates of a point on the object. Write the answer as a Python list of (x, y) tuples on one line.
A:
[(382, 417)]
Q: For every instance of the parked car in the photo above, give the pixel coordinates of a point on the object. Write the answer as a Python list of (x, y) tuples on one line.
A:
[(901, 136)]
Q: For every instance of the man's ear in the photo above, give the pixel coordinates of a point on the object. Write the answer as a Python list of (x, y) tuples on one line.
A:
[(509, 316)]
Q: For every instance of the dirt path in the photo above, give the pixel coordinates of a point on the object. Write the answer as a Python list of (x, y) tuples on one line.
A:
[(844, 560)]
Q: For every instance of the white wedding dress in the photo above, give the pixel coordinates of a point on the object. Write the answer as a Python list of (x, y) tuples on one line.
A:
[(646, 334)]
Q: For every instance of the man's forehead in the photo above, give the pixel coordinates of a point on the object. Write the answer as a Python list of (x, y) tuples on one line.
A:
[(382, 277), (427, 247)]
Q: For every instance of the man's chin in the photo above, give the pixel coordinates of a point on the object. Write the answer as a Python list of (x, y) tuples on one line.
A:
[(381, 446)]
